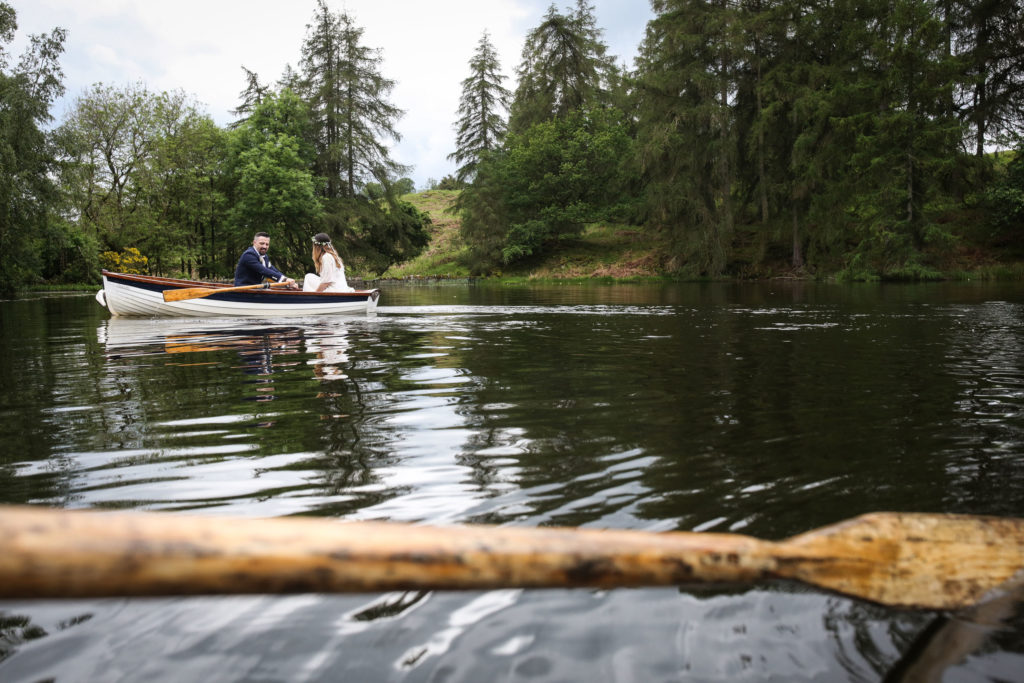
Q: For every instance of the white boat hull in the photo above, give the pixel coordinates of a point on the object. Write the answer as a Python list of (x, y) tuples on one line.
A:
[(140, 296)]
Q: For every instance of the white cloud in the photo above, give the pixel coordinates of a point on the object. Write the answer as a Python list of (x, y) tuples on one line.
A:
[(199, 46)]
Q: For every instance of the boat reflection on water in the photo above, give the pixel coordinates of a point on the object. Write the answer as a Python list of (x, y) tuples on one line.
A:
[(256, 346), (262, 348), (330, 348)]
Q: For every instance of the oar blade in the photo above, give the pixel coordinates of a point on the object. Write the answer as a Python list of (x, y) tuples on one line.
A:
[(940, 562), (199, 292), (922, 561), (189, 293)]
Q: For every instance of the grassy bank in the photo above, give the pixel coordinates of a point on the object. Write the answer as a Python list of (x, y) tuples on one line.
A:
[(601, 252)]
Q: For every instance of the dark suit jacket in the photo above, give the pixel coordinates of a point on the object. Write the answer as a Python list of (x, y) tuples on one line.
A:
[(250, 271)]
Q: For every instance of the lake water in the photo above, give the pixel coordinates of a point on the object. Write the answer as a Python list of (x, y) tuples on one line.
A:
[(764, 409)]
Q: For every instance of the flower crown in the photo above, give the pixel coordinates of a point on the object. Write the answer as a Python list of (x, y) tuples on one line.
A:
[(322, 244)]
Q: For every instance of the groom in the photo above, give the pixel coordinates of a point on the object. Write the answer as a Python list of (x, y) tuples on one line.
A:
[(254, 265)]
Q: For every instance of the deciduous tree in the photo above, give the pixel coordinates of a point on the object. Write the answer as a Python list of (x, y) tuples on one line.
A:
[(27, 192), (275, 190)]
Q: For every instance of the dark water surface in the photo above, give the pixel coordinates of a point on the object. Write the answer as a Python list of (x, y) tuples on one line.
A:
[(764, 409)]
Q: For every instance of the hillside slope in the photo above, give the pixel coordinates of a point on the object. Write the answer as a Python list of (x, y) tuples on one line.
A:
[(602, 251)]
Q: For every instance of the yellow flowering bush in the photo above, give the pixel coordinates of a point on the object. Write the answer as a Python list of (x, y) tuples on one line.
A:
[(130, 261)]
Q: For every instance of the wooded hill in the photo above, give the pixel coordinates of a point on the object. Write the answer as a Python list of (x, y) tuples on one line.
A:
[(623, 252), (850, 138)]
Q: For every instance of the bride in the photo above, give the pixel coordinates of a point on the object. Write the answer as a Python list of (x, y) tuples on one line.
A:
[(330, 270)]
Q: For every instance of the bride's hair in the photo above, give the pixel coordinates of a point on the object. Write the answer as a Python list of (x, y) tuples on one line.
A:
[(321, 248)]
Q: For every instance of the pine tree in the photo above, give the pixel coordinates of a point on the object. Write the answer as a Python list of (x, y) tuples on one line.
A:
[(484, 222), (289, 79), (348, 99), (481, 125), (251, 97), (906, 138), (988, 37), (687, 139), (803, 88), (564, 68)]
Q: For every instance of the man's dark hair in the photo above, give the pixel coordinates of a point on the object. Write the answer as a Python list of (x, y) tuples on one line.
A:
[(260, 234)]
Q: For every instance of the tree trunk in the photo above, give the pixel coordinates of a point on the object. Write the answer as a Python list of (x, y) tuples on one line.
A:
[(910, 190), (798, 257)]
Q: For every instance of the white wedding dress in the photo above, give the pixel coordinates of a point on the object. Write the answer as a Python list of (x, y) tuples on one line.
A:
[(329, 272)]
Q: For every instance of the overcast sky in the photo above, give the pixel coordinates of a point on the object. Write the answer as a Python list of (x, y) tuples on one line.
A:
[(199, 46)]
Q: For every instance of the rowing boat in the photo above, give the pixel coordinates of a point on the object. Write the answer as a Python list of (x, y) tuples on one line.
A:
[(143, 296)]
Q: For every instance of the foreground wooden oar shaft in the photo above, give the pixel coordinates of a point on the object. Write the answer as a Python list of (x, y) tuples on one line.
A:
[(925, 561), (200, 292)]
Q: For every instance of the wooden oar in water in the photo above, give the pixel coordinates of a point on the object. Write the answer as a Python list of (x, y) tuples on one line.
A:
[(902, 560), (200, 292)]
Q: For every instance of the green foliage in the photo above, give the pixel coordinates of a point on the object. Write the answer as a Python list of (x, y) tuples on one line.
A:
[(347, 96), (905, 148), (274, 189), (374, 235), (564, 68), (840, 124), (400, 236), (544, 186), (687, 132), (68, 254), (27, 192), (985, 39), (1004, 199), (404, 186), (562, 165), (376, 191), (108, 135), (560, 175), (450, 182), (373, 191), (251, 97), (482, 207), (185, 188), (481, 126), (847, 134), (146, 169)]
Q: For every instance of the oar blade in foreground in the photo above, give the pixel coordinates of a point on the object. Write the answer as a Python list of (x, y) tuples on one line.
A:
[(923, 561), (909, 560)]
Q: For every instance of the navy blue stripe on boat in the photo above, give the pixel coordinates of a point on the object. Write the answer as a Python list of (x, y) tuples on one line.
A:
[(148, 286), (272, 297)]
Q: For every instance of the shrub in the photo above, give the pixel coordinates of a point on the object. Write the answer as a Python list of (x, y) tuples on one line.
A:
[(130, 261)]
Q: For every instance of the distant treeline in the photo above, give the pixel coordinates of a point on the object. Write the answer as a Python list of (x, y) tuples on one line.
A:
[(139, 181), (842, 137), (846, 137)]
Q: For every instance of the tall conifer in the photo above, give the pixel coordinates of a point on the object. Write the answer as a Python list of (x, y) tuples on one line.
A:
[(564, 68), (686, 84), (988, 39), (251, 97), (347, 94), (481, 124)]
